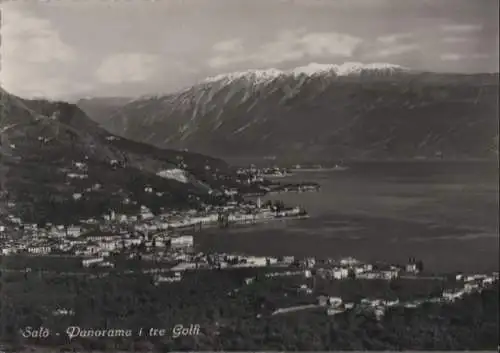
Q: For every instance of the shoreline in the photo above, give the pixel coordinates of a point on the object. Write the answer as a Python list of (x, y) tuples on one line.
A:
[(245, 223), (333, 169), (290, 163)]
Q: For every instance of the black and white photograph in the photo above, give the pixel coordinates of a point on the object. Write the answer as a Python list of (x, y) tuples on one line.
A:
[(249, 175)]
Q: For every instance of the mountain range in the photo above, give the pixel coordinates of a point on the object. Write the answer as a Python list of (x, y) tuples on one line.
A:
[(318, 112), (55, 162)]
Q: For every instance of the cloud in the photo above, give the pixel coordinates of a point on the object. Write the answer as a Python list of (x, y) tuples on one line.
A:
[(395, 50), (32, 39), (455, 39), (232, 45), (459, 57), (287, 46), (394, 38), (329, 43), (31, 48), (342, 4), (462, 28), (451, 57), (480, 56), (127, 67), (387, 46)]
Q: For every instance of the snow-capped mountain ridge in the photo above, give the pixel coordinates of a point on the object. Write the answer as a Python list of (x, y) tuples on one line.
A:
[(312, 69), (344, 111), (258, 75)]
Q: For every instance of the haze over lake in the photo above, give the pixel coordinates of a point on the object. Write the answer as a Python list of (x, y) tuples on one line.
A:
[(444, 213)]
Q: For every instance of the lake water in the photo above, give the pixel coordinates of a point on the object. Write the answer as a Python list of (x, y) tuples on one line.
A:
[(443, 213)]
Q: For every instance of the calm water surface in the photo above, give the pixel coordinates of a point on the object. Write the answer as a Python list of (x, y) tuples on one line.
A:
[(444, 213)]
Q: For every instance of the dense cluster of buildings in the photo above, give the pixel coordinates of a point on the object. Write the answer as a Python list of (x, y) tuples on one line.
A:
[(258, 174), (161, 236), (112, 232)]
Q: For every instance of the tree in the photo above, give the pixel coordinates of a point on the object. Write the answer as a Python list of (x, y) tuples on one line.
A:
[(278, 206), (420, 265)]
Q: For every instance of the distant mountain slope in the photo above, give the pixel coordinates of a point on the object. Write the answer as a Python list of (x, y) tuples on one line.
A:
[(351, 111), (101, 108), (51, 153)]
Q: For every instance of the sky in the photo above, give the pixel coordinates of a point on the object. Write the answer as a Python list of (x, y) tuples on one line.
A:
[(68, 49)]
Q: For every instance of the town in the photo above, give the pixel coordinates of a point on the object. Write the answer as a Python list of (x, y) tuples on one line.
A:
[(96, 239)]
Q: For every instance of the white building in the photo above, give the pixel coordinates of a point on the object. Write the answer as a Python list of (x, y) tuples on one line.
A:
[(349, 261), (348, 306), (289, 213), (32, 226), (8, 251), (264, 214), (368, 275), (371, 302), (335, 301), (257, 260), (322, 300), (99, 236), (74, 231), (272, 260), (122, 218), (368, 267), (39, 249), (106, 264), (183, 241), (92, 261), (159, 243), (379, 312), (310, 262), (488, 280), (81, 166), (412, 268), (146, 213), (391, 302), (340, 273), (231, 192), (239, 217), (389, 274), (184, 266), (452, 295), (76, 176), (207, 219), (333, 311), (359, 270), (169, 279), (471, 287), (63, 312), (132, 241), (108, 245)]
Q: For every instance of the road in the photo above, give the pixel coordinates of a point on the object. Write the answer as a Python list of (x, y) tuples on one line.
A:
[(296, 308)]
